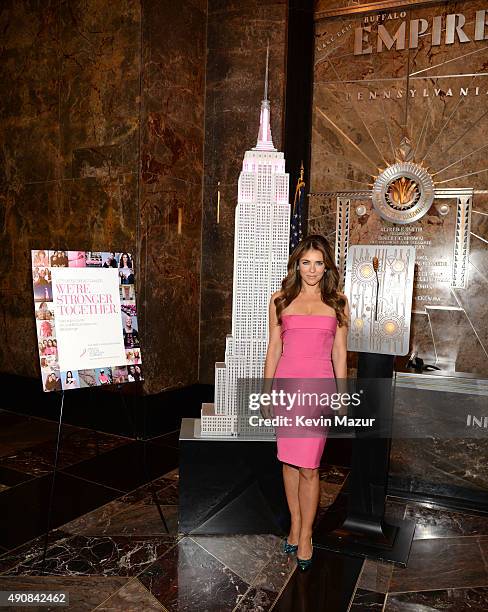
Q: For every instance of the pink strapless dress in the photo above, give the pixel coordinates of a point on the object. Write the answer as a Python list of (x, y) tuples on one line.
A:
[(307, 350)]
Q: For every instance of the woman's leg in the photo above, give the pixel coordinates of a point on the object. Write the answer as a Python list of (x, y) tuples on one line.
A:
[(308, 495), (291, 479)]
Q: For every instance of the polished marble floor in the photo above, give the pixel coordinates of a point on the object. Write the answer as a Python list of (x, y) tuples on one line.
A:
[(114, 542)]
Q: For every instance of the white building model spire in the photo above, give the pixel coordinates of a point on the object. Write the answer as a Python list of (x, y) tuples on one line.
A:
[(265, 140), (261, 242)]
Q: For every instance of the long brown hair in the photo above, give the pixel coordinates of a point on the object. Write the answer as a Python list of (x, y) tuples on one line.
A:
[(329, 283)]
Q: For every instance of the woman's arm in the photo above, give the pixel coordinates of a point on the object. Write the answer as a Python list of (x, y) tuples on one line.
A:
[(273, 354), (339, 348), (339, 359), (275, 345)]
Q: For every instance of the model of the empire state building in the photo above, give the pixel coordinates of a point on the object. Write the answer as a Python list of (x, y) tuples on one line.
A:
[(261, 239)]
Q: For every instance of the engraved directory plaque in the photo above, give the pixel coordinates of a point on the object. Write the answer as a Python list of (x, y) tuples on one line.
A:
[(380, 301)]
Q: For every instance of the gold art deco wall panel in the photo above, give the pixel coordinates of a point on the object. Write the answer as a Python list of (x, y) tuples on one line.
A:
[(409, 85)]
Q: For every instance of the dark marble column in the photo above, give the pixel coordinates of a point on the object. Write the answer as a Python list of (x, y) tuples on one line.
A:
[(172, 119), (69, 145), (237, 37)]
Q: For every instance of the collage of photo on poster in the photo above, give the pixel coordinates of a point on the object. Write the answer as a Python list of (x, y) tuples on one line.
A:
[(52, 378)]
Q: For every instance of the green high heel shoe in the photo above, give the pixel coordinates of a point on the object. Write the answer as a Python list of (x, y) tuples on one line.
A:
[(304, 564), (289, 548)]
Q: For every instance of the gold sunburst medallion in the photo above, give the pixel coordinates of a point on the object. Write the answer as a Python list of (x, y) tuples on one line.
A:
[(403, 193)]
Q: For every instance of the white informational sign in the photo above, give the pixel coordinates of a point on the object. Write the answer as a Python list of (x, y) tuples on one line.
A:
[(86, 305), (86, 318)]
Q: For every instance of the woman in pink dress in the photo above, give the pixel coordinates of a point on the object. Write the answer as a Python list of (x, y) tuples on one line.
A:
[(50, 348), (308, 321)]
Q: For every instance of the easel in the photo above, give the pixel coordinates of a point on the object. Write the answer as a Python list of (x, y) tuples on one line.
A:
[(136, 436)]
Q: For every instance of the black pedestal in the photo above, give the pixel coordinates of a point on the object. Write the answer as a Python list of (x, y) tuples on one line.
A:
[(355, 523), (230, 486)]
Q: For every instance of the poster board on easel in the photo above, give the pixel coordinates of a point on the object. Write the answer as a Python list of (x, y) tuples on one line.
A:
[(86, 318)]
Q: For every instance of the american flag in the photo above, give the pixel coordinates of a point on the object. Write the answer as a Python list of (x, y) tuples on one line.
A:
[(296, 230)]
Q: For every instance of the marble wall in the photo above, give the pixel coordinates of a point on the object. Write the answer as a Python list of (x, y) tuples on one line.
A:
[(362, 107), (69, 107), (436, 95), (237, 36), (92, 92)]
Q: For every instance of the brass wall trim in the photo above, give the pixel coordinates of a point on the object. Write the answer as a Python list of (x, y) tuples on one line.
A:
[(370, 7), (355, 194)]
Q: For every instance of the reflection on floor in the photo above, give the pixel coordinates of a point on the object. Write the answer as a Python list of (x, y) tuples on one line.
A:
[(110, 550)]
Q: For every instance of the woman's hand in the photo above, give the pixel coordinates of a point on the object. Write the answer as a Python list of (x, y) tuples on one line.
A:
[(266, 411), (342, 411)]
